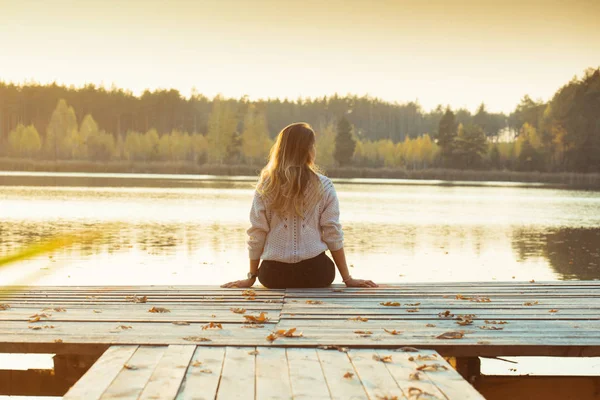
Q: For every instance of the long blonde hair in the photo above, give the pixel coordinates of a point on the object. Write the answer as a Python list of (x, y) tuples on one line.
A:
[(290, 170)]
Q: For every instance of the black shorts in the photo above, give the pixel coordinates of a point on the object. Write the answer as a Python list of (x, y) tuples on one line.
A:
[(316, 272)]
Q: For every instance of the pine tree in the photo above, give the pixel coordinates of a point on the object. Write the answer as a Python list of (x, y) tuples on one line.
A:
[(326, 145), (447, 132), (344, 143)]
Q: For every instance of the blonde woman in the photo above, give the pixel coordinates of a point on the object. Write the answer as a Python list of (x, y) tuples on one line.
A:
[(295, 219)]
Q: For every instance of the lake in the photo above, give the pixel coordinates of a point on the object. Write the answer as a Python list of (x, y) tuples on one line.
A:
[(180, 229)]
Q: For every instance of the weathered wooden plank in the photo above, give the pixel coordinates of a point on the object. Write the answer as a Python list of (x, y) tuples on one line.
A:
[(97, 379), (306, 376), (237, 376), (272, 374), (335, 366), (202, 377), (166, 379), (375, 377), (131, 380)]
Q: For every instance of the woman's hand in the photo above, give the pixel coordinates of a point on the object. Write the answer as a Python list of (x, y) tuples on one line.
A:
[(244, 283), (360, 283)]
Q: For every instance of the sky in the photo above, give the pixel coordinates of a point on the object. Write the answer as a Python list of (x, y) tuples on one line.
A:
[(448, 52)]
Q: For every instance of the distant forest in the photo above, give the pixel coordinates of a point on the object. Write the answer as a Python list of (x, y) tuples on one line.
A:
[(53, 122)]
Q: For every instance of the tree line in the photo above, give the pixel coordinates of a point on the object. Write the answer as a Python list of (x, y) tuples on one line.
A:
[(52, 122)]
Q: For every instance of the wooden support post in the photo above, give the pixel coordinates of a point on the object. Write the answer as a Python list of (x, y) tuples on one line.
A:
[(469, 368)]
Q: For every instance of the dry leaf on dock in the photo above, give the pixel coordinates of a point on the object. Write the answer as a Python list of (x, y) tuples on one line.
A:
[(390, 304), (553, 310), (385, 359), (180, 323), (57, 309), (392, 332), (249, 293), (254, 352), (491, 328), (4, 307), (348, 375), (314, 302), (446, 314), (238, 310), (255, 326), (212, 325), (159, 310), (58, 340), (451, 335), (412, 310), (363, 332), (496, 322), (196, 339), (431, 367), (359, 318), (251, 319), (413, 304), (136, 299), (531, 303), (415, 376)]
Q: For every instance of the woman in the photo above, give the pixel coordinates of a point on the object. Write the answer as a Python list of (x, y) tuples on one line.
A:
[(295, 219)]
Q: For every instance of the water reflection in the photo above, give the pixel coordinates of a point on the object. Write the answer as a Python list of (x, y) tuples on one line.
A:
[(398, 233)]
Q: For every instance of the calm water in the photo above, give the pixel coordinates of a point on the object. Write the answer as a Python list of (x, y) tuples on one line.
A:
[(166, 229)]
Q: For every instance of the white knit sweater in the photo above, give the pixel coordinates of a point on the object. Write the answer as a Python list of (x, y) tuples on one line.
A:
[(292, 239)]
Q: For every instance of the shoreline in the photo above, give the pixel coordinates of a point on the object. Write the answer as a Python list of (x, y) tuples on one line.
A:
[(589, 181)]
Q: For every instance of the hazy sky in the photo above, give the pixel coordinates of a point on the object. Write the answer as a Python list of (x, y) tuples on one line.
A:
[(434, 51)]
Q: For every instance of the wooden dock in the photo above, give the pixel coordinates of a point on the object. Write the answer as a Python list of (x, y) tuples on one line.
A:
[(463, 320)]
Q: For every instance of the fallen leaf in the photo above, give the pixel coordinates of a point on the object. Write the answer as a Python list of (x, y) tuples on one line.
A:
[(238, 310), (461, 297), (196, 339), (407, 349), (253, 326), (180, 323), (430, 325), (213, 316), (431, 367), (205, 371), (478, 299), (390, 304), (387, 397), (254, 352), (412, 310), (57, 309), (553, 310), (338, 348), (531, 303), (35, 328), (464, 320), (251, 319), (451, 335), (415, 376), (196, 363), (272, 337), (97, 311), (491, 328), (4, 307), (496, 322), (249, 293), (392, 332), (58, 341), (212, 325), (348, 375), (446, 314), (413, 304), (137, 299), (363, 332), (361, 319), (385, 359), (159, 310), (288, 333), (484, 342), (532, 281), (128, 366), (314, 302)]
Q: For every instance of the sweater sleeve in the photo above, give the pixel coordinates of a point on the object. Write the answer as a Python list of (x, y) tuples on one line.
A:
[(257, 234), (331, 228)]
